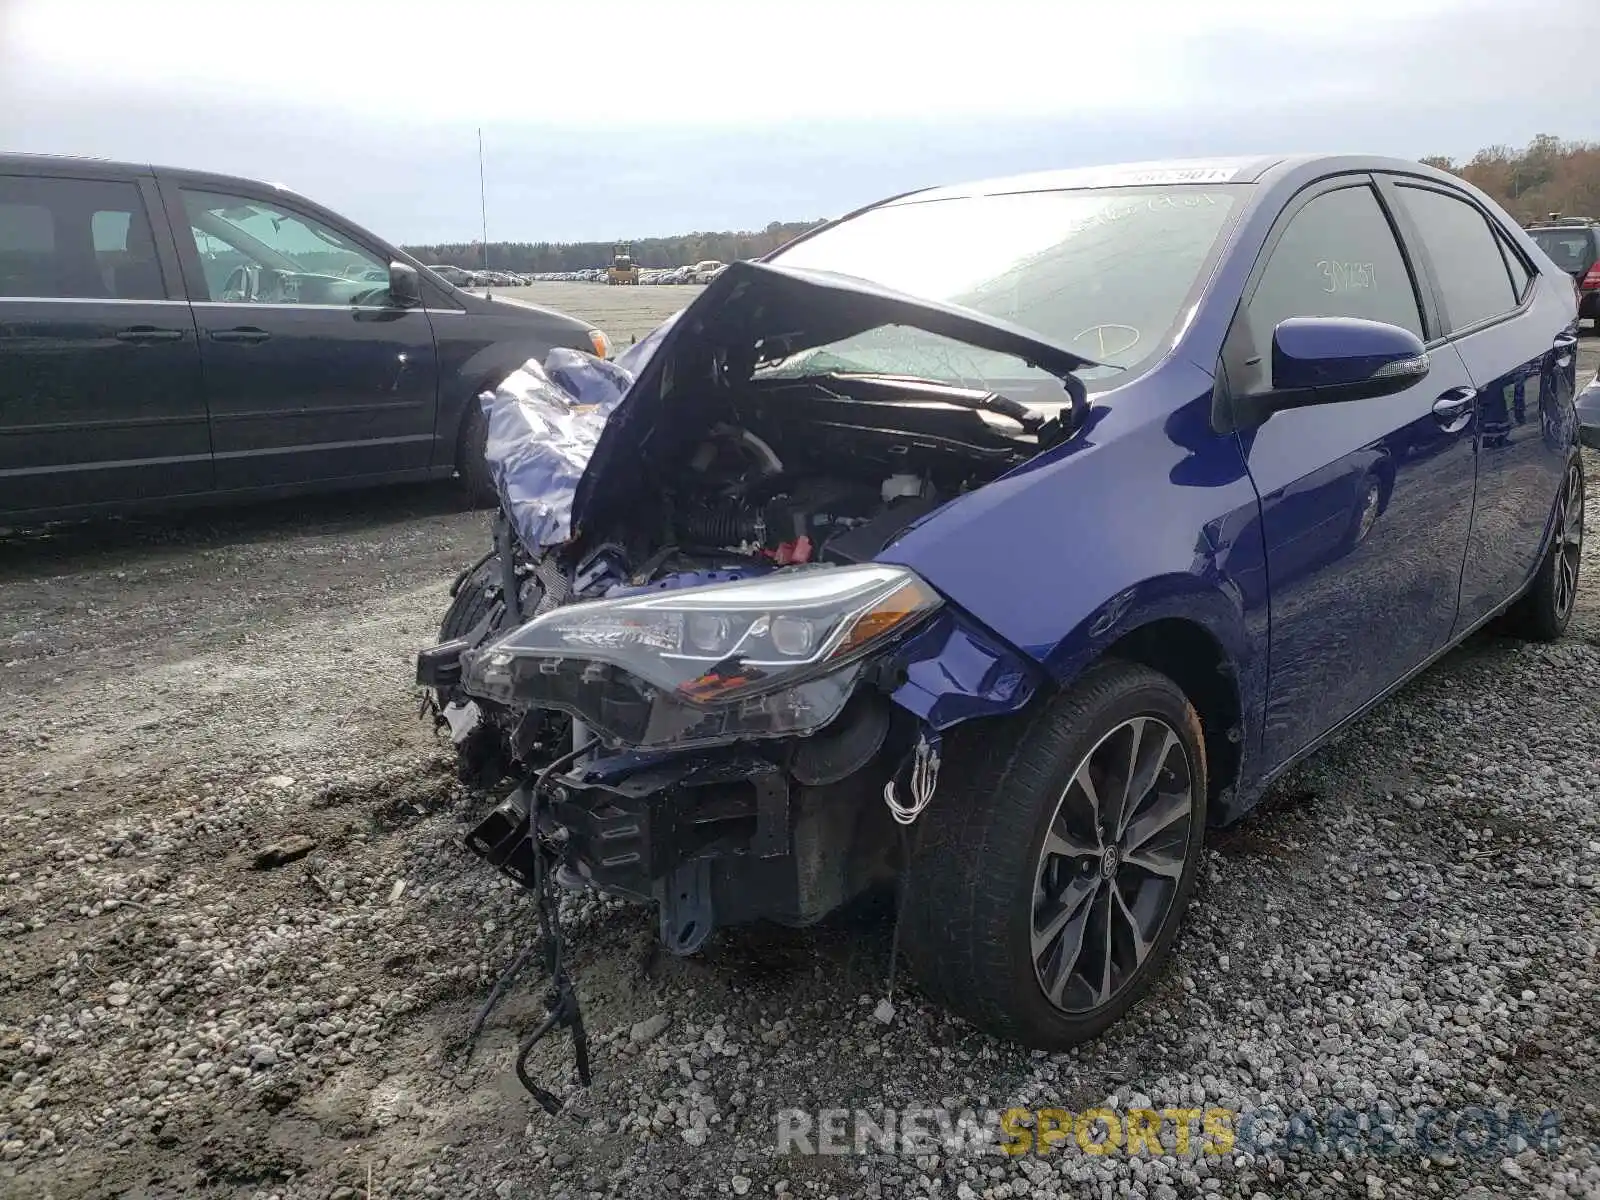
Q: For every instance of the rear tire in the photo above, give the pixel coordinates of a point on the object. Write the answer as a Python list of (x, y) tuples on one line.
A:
[(1022, 882), (471, 462), (1545, 609)]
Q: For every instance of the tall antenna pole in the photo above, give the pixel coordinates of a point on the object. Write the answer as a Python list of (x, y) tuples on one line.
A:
[(483, 205)]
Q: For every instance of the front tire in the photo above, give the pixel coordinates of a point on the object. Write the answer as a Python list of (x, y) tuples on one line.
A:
[(1545, 610), (1052, 870), (474, 599)]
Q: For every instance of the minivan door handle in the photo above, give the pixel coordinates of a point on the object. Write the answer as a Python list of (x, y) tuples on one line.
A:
[(1454, 409), (244, 333), (149, 333)]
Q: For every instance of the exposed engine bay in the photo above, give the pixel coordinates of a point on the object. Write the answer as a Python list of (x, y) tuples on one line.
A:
[(824, 471)]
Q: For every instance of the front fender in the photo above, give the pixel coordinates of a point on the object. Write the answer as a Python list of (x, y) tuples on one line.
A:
[(1170, 597), (953, 671), (1145, 516)]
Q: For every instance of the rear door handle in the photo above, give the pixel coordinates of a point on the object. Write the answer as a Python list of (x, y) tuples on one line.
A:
[(1454, 409), (245, 333), (149, 333)]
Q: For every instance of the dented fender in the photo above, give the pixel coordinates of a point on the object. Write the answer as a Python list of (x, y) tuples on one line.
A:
[(954, 670)]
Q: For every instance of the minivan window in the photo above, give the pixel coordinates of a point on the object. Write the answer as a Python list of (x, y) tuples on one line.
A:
[(1105, 272), (1337, 257), (1474, 283), (76, 239), (252, 252)]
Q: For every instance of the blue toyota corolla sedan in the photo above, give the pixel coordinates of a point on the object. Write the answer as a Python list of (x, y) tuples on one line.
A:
[(994, 541)]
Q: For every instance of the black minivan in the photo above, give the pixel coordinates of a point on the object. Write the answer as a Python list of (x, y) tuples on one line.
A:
[(170, 337)]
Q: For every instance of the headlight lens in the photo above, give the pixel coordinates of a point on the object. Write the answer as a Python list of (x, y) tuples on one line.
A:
[(759, 657)]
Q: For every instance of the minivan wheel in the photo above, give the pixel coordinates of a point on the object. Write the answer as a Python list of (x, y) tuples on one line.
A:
[(471, 464), (1051, 873), (1545, 610)]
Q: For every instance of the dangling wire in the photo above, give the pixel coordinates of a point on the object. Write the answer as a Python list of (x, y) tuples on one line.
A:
[(560, 998), (924, 779), (922, 784)]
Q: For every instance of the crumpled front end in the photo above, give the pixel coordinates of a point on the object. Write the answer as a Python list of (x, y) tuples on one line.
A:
[(682, 644)]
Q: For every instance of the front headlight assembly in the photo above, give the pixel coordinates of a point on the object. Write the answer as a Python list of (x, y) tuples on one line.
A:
[(767, 657)]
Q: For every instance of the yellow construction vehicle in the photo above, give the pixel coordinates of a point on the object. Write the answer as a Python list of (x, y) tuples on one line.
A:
[(622, 269)]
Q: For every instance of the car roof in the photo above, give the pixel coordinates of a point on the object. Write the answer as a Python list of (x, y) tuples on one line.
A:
[(1171, 171), (92, 168)]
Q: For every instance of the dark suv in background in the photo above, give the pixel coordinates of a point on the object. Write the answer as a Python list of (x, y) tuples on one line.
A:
[(1573, 243), (171, 337)]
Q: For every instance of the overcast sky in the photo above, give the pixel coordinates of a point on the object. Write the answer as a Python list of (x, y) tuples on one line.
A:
[(634, 119)]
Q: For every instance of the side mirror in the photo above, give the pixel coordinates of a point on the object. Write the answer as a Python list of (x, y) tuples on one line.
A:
[(405, 289), (1331, 360)]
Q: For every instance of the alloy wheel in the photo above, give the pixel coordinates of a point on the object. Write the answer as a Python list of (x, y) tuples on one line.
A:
[(1111, 864), (1569, 541)]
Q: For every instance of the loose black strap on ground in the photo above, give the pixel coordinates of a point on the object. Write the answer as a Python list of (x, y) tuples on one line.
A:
[(561, 999)]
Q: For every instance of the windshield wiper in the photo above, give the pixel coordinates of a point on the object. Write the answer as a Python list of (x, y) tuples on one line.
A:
[(911, 389)]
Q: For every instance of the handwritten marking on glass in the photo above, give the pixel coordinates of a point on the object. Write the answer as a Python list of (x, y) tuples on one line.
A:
[(1347, 276)]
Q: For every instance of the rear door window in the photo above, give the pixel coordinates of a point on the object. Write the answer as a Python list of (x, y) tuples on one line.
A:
[(1521, 277), (1468, 266), (85, 239)]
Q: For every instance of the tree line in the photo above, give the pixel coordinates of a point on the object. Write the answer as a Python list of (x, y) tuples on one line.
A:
[(683, 249), (1546, 176)]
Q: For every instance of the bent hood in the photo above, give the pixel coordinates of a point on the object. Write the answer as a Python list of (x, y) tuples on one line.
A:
[(555, 430)]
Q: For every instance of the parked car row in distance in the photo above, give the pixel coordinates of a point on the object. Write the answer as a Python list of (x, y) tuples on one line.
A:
[(700, 272), (462, 277)]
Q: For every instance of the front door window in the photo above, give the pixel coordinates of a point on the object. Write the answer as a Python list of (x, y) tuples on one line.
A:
[(252, 252)]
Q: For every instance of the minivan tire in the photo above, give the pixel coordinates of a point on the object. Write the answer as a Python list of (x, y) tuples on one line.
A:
[(979, 878), (1545, 609), (471, 463)]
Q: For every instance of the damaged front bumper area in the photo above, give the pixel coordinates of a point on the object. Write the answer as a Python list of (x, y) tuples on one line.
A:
[(786, 829), (730, 743), (710, 839)]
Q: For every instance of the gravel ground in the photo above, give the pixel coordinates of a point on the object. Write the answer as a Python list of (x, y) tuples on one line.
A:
[(1411, 920)]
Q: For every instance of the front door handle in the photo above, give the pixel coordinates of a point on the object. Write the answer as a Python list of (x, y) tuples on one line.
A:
[(244, 333), (1454, 409), (149, 333)]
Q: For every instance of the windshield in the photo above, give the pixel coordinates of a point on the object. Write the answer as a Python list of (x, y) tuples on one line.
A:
[(1105, 272), (1570, 249)]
